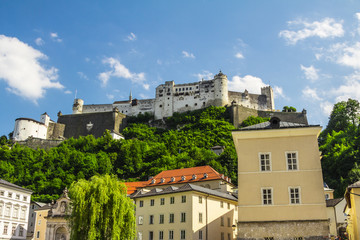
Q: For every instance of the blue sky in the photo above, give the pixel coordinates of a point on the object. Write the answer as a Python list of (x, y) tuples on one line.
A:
[(50, 51)]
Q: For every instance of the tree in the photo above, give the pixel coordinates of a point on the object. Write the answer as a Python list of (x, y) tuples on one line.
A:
[(289, 109), (101, 210)]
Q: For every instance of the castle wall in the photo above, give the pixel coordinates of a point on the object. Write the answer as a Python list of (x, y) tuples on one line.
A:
[(26, 127), (97, 108), (55, 130)]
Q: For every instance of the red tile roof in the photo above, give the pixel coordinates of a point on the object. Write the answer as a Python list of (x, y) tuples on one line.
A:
[(132, 186), (179, 176), (186, 175)]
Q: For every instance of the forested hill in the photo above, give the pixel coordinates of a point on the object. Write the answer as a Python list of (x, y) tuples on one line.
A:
[(186, 142), (145, 152)]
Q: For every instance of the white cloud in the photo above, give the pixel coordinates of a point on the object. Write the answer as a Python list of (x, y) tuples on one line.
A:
[(239, 55), (159, 62), (120, 71), (82, 75), (350, 89), (357, 15), (346, 55), (68, 92), (146, 86), (279, 93), (311, 73), (188, 54), (55, 37), (131, 37), (21, 70), (326, 107), (311, 94), (204, 75), (39, 41), (250, 83), (327, 28), (87, 59)]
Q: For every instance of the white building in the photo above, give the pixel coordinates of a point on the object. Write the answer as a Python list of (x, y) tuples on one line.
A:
[(171, 97), (14, 210)]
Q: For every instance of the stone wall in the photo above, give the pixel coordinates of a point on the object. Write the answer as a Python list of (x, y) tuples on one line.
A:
[(312, 230), (36, 143)]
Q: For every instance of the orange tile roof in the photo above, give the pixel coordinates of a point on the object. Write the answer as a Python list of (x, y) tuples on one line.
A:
[(132, 186), (185, 175)]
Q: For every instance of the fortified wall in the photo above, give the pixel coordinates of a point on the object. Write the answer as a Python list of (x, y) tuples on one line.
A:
[(171, 98)]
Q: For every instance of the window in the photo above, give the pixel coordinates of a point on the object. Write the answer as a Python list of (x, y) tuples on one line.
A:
[(17, 196), (161, 219), (1, 209), (265, 162), (162, 201), (183, 217), (5, 232), (228, 205), (229, 236), (38, 234), (140, 236), (200, 235), (267, 196), (161, 235), (25, 198), (151, 235), (292, 160), (39, 222), (22, 213), (141, 203), (268, 238), (151, 220), (140, 220), (2, 193), (222, 221), (171, 218), (9, 194), (182, 234), (21, 231), (152, 202), (172, 200), (294, 195), (200, 199), (13, 230), (228, 222), (183, 199), (222, 236), (200, 218), (7, 211), (327, 197), (221, 204), (171, 235), (15, 212)]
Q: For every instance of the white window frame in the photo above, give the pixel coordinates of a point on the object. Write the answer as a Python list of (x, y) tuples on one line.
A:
[(171, 234), (270, 162), (140, 220), (262, 196), (297, 160), (289, 189)]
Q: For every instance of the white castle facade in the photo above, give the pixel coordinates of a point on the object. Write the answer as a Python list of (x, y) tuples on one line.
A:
[(170, 98)]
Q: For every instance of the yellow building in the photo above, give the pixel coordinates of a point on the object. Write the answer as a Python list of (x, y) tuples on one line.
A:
[(41, 222), (280, 185), (188, 212), (352, 196)]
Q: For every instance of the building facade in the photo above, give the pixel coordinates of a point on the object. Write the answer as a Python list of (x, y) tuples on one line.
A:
[(280, 184), (14, 210), (185, 212), (352, 210)]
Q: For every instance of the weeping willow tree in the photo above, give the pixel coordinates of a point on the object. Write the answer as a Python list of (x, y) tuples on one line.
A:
[(101, 210)]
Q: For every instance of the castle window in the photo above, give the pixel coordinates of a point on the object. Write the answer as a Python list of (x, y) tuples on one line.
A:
[(204, 103), (292, 163), (160, 105), (197, 87), (176, 90), (190, 88), (168, 89), (294, 195), (195, 104), (187, 89), (186, 105), (183, 89)]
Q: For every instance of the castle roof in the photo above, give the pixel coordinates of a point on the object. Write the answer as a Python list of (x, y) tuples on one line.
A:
[(11, 185), (275, 123)]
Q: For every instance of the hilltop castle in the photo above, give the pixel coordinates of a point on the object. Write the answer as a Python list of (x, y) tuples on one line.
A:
[(171, 97)]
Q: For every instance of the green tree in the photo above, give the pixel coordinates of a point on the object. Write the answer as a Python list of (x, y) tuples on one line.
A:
[(289, 109), (252, 120), (101, 210)]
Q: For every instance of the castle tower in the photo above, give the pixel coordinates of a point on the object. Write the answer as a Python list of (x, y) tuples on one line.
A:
[(130, 97), (78, 106), (268, 92), (45, 119), (221, 89)]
